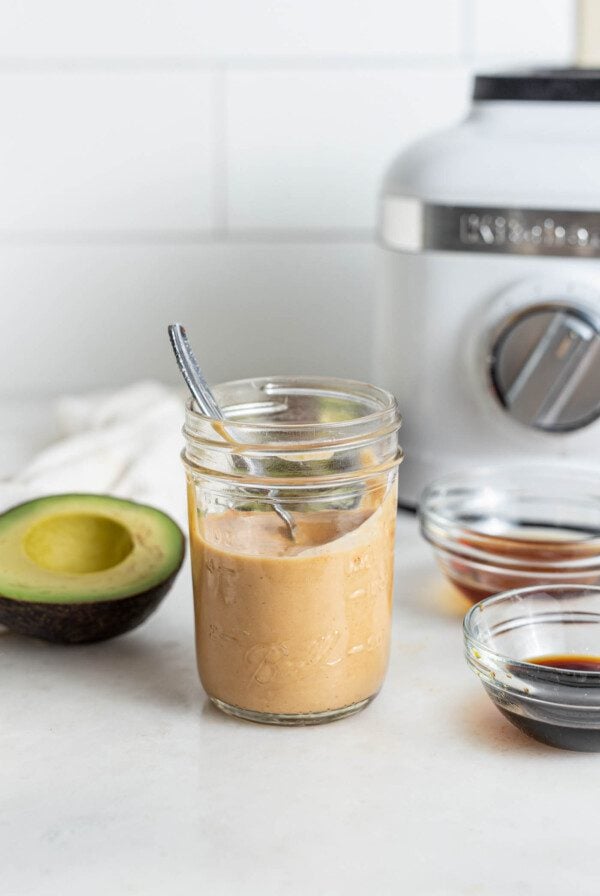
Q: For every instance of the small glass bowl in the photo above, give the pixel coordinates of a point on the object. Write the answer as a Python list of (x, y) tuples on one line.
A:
[(557, 706), (499, 528)]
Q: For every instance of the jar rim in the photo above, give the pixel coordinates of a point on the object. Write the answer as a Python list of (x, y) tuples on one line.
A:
[(295, 431), (384, 410)]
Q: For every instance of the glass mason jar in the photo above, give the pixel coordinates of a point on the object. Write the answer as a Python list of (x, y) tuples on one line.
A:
[(292, 511)]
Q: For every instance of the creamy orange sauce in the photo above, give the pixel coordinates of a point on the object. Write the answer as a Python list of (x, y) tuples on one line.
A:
[(297, 626)]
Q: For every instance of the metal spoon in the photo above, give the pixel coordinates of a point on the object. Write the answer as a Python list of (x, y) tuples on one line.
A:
[(208, 405)]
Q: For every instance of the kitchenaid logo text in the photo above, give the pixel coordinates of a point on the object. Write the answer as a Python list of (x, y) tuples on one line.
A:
[(491, 229)]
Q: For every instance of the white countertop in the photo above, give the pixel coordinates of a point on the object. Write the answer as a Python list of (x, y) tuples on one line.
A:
[(118, 777)]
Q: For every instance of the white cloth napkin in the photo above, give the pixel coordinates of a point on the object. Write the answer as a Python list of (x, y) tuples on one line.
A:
[(125, 443)]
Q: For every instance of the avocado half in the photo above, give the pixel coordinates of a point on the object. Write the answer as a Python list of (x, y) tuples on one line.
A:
[(76, 568)]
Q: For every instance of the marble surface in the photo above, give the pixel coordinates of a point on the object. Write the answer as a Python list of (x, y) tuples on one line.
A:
[(118, 777)]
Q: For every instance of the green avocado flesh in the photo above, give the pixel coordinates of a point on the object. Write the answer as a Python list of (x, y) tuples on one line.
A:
[(83, 548)]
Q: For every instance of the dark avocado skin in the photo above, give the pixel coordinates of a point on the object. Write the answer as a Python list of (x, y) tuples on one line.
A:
[(73, 623)]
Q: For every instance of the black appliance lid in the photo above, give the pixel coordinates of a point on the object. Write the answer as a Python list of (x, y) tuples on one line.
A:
[(558, 85)]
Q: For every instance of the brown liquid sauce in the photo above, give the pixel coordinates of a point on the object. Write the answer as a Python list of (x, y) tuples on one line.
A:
[(294, 627), (536, 556), (572, 662), (558, 729)]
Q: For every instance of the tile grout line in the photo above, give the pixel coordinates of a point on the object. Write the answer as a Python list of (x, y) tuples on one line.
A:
[(283, 236), (108, 64)]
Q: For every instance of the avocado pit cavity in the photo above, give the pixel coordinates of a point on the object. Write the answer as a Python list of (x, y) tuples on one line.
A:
[(78, 543)]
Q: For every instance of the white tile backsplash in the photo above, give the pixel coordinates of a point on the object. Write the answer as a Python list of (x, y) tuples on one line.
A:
[(246, 29), (524, 31), (307, 149), (97, 315), (218, 162), (99, 151)]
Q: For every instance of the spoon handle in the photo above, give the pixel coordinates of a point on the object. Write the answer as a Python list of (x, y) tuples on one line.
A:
[(208, 405), (192, 374)]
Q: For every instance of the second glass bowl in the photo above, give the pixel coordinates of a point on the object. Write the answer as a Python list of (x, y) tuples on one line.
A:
[(537, 654), (499, 528)]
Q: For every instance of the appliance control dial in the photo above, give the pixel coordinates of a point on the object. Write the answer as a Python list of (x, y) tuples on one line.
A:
[(545, 367)]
